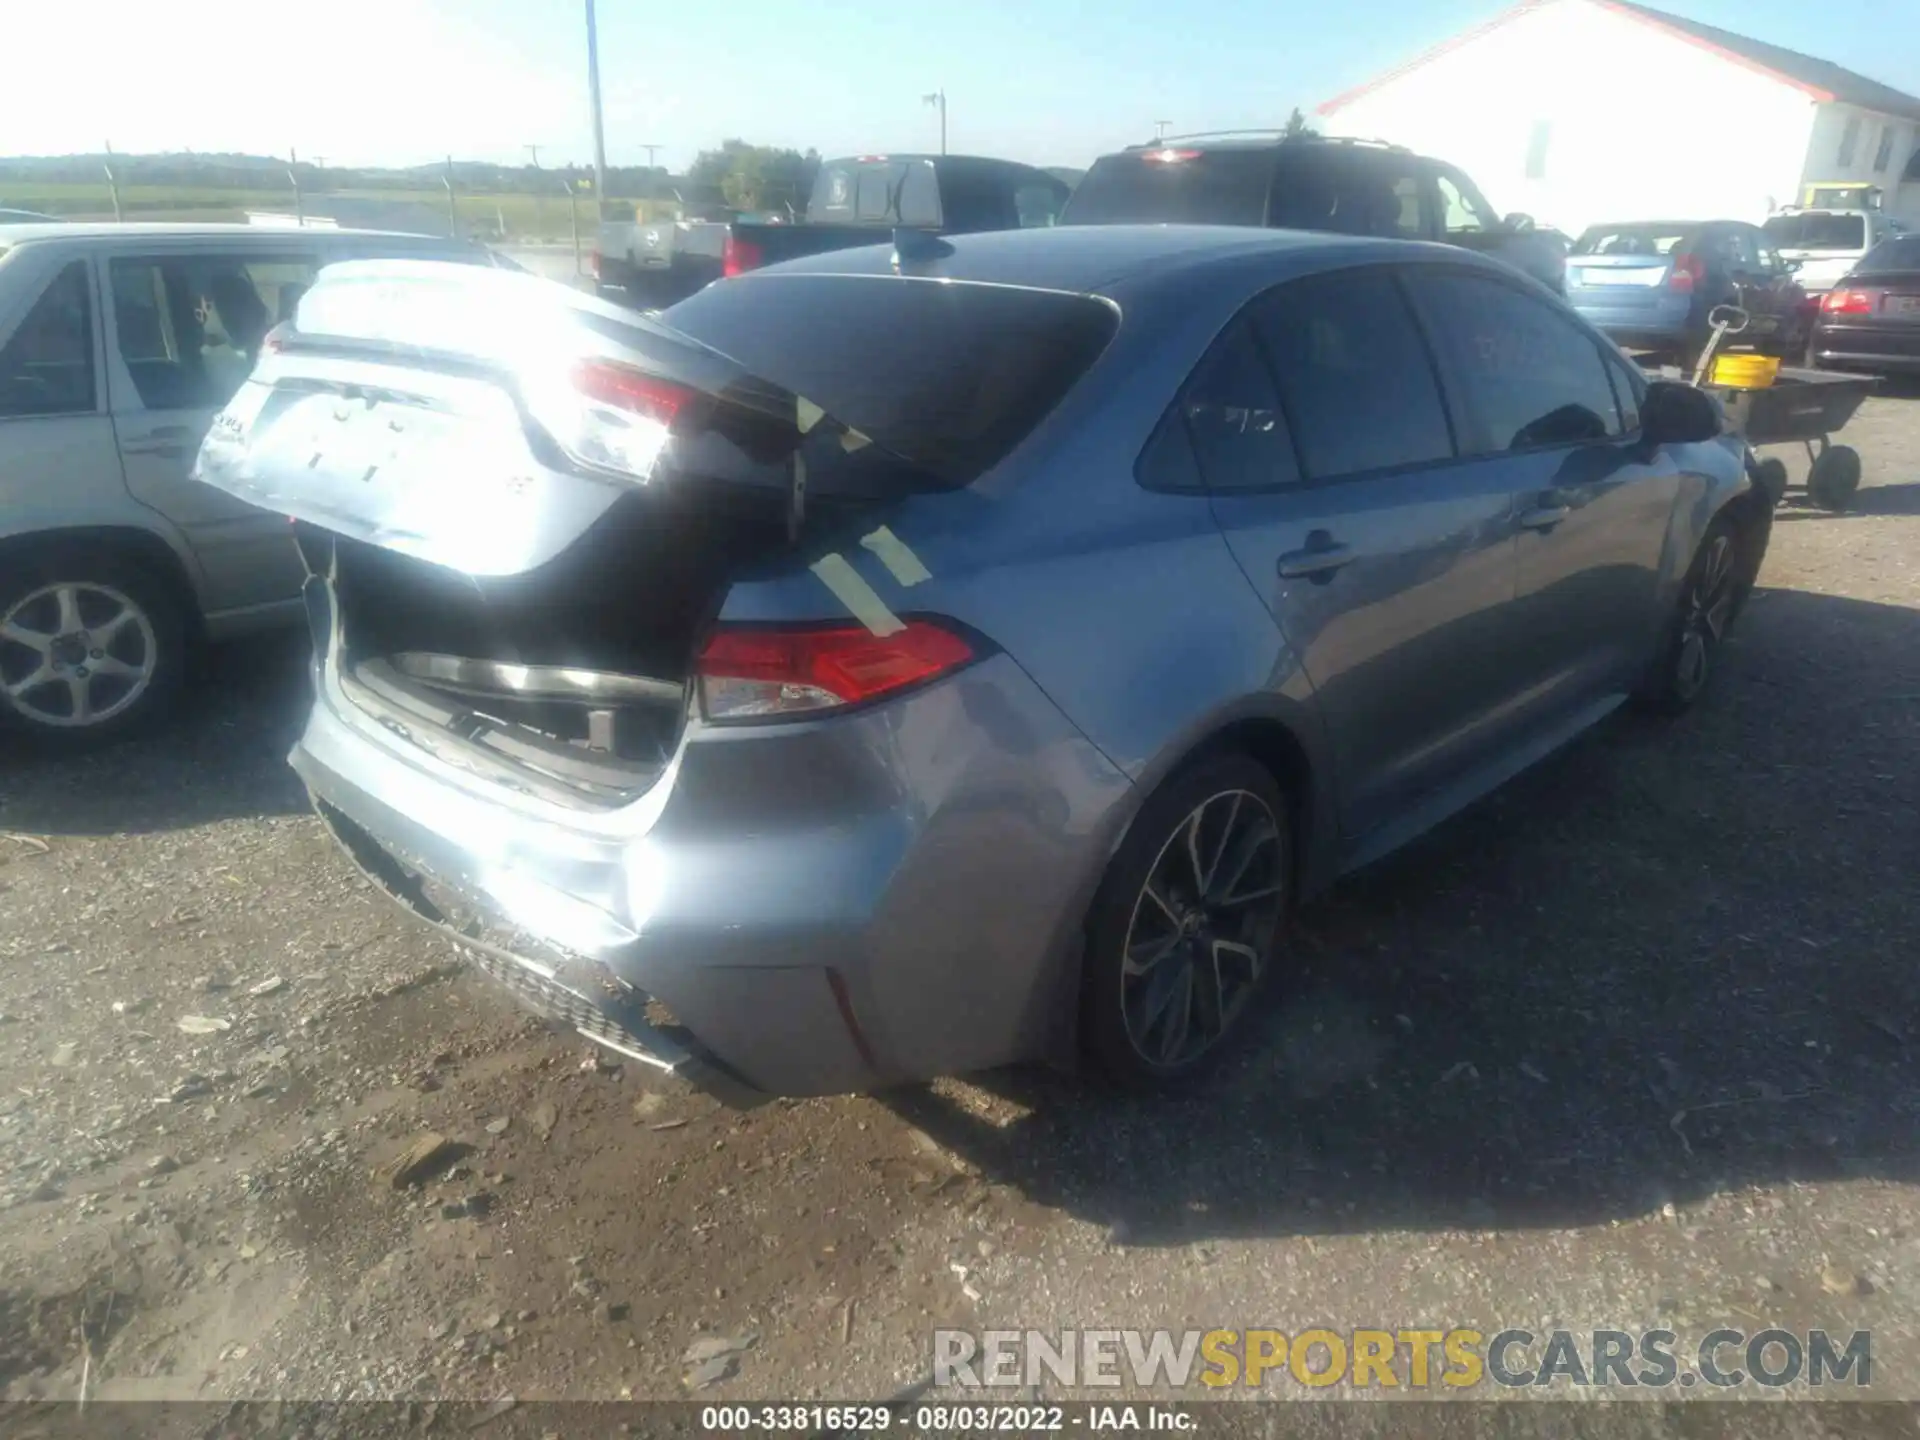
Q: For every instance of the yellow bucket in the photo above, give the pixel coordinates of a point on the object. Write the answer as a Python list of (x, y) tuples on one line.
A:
[(1746, 372)]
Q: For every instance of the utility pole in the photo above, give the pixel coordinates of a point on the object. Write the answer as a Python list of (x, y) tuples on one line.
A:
[(113, 185), (1160, 129), (293, 179), (599, 129), (533, 153), (939, 98), (539, 198), (453, 209), (652, 150)]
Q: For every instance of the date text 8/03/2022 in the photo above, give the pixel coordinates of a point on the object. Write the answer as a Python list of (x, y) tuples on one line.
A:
[(1416, 1359)]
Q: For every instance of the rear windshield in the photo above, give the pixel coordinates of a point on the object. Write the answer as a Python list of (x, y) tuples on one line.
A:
[(1193, 187), (948, 376), (875, 192), (1632, 240), (1900, 253), (1817, 232)]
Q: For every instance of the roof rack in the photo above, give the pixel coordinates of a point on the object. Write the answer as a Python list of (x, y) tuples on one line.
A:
[(1257, 134)]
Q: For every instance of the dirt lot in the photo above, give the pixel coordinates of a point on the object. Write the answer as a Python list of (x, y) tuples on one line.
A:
[(1637, 1041)]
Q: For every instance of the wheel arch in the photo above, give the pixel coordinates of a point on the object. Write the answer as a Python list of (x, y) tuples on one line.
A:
[(154, 551)]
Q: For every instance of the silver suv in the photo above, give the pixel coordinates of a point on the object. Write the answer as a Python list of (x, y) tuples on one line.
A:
[(118, 345)]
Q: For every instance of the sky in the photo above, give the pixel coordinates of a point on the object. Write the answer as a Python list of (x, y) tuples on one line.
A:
[(1054, 82)]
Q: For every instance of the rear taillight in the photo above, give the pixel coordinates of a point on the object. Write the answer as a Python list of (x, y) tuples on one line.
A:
[(1688, 271), (751, 672), (738, 256), (606, 415), (1848, 302)]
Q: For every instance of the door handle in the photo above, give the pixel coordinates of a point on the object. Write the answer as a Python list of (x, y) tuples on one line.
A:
[(1318, 562), (1544, 517)]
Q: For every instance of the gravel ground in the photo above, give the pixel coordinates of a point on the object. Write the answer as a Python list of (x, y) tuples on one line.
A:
[(1633, 1043)]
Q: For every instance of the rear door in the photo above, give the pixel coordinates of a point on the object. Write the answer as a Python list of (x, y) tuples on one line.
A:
[(1553, 412), (1320, 427), (184, 327)]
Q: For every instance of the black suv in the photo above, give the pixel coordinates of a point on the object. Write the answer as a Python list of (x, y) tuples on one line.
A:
[(1349, 187)]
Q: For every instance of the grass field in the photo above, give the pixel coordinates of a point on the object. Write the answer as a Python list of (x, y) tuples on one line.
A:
[(481, 215)]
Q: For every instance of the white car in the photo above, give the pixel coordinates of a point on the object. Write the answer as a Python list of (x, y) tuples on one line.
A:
[(118, 345), (1823, 245)]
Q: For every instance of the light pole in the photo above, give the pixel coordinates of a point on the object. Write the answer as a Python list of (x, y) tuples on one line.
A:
[(939, 98), (1160, 129), (599, 130)]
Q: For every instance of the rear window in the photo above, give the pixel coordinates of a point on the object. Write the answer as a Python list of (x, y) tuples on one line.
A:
[(1817, 232), (950, 377), (875, 192), (1632, 240), (1900, 253), (1194, 187)]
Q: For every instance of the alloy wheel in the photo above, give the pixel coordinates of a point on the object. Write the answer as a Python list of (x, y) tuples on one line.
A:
[(75, 654), (1709, 606), (1202, 928)]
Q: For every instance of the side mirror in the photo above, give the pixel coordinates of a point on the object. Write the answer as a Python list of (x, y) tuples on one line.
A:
[(1520, 223), (1675, 413)]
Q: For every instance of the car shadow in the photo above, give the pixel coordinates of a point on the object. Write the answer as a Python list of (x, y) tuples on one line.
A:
[(222, 756), (1672, 961), (1901, 498)]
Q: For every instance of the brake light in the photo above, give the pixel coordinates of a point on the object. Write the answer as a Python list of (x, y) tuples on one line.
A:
[(1688, 271), (626, 388), (1172, 157), (606, 415), (1847, 302), (757, 673), (738, 256)]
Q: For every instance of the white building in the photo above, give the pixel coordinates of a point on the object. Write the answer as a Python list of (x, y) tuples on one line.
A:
[(1583, 111)]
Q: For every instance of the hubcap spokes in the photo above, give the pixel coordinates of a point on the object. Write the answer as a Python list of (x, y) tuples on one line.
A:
[(75, 654), (1202, 927), (1708, 607)]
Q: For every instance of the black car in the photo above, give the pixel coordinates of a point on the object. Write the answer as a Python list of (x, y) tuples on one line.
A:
[(1296, 182), (1871, 319)]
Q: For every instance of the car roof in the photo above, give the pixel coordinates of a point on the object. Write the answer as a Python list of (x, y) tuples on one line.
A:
[(155, 229), (1090, 259)]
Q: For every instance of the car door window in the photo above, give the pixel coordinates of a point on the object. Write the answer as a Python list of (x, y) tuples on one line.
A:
[(190, 327), (1037, 205), (1531, 377), (1462, 212), (1233, 418), (1354, 374), (1746, 252), (46, 365)]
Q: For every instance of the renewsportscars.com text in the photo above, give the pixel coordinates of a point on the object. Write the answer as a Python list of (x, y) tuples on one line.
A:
[(1413, 1359)]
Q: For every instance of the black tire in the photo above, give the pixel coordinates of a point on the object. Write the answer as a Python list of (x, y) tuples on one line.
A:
[(1835, 477), (1234, 796), (1770, 476), (1716, 585), (103, 581)]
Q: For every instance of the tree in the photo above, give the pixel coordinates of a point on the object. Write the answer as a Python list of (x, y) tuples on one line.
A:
[(1297, 127), (757, 177)]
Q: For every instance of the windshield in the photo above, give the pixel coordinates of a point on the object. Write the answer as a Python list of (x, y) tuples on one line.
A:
[(1632, 240), (1174, 187), (948, 376), (1817, 232), (1902, 252)]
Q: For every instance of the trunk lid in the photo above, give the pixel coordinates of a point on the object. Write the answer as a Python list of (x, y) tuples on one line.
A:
[(483, 420)]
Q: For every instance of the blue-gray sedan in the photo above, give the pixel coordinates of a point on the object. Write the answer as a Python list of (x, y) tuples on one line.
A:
[(925, 658)]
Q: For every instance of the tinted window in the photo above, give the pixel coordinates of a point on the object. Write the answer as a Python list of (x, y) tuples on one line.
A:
[(1346, 192), (46, 367), (1233, 416), (950, 376), (1167, 463), (1817, 232), (1461, 211), (1632, 240), (1530, 375), (1199, 187), (1037, 205), (1744, 243), (190, 328), (920, 196), (1354, 374), (1900, 253)]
